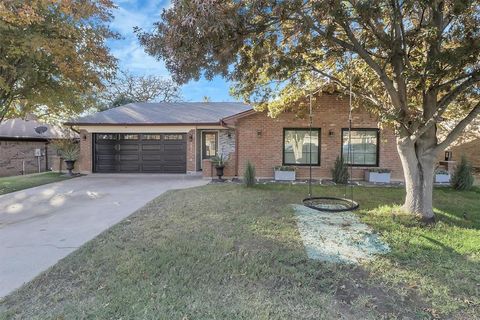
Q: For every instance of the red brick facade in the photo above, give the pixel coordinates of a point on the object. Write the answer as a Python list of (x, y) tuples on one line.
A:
[(260, 139), (85, 162)]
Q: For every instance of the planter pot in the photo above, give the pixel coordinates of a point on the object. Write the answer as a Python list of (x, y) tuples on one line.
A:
[(219, 171), (70, 165), (377, 177), (442, 178), (284, 175)]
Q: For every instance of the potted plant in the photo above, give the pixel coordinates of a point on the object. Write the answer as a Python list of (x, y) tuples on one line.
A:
[(377, 175), (442, 176), (219, 162), (69, 151), (284, 173)]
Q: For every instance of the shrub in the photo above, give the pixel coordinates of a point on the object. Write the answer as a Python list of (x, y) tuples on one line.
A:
[(68, 149), (379, 170), (284, 168), (462, 178), (249, 175), (340, 172)]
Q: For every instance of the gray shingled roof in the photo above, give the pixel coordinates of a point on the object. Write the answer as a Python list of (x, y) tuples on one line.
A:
[(25, 129), (166, 113)]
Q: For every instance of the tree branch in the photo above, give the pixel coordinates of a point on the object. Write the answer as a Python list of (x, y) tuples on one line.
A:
[(357, 47), (449, 97), (455, 133)]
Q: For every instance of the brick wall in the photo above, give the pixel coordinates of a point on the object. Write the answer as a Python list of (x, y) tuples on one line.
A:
[(471, 150), (260, 139), (191, 149), (85, 161), (209, 170), (18, 154)]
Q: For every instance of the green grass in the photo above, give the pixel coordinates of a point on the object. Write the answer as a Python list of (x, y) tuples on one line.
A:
[(228, 252), (16, 183)]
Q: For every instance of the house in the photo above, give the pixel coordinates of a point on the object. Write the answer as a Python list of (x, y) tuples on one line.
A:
[(470, 149), (25, 146), (183, 137)]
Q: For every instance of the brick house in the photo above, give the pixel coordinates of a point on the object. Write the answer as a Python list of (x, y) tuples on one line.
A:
[(183, 137), (25, 147), (470, 149)]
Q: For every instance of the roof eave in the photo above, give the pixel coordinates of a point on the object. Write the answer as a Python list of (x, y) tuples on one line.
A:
[(231, 120), (219, 123)]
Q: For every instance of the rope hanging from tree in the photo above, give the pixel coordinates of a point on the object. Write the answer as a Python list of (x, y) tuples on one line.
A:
[(332, 204)]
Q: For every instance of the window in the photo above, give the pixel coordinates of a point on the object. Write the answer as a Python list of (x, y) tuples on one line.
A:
[(129, 137), (170, 137), (364, 147), (209, 144), (106, 136), (151, 137), (297, 145)]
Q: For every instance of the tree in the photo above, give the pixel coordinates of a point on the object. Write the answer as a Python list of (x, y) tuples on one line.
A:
[(127, 88), (412, 63), (53, 54)]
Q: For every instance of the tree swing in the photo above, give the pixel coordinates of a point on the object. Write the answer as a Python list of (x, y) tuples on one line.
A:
[(332, 204)]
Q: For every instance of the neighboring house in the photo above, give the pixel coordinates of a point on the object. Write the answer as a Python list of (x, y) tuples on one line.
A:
[(182, 137), (24, 147)]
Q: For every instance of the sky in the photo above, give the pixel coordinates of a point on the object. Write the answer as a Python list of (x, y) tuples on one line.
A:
[(132, 57)]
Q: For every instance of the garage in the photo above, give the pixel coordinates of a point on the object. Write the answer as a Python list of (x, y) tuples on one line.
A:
[(140, 152)]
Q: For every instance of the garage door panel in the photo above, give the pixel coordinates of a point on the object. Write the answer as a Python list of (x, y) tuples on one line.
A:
[(125, 167), (140, 153), (174, 147), (173, 169), (104, 147), (151, 147), (129, 157), (106, 168), (129, 147), (105, 157), (152, 157)]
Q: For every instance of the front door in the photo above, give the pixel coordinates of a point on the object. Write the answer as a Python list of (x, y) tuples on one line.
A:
[(209, 144)]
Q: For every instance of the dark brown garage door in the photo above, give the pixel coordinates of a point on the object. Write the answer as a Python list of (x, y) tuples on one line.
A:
[(140, 152)]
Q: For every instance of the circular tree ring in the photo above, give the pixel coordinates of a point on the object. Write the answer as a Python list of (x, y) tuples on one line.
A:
[(330, 204)]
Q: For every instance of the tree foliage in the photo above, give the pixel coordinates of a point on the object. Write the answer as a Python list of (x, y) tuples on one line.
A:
[(411, 62), (53, 55), (127, 88)]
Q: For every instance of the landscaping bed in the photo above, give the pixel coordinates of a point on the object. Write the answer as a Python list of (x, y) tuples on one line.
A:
[(17, 183), (227, 252)]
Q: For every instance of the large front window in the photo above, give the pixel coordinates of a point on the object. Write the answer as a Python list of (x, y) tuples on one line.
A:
[(363, 149), (301, 146)]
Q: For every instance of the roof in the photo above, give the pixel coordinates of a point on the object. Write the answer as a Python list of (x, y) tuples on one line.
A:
[(164, 113), (30, 129)]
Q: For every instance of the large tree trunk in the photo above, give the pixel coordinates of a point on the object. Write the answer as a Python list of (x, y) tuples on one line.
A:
[(418, 163)]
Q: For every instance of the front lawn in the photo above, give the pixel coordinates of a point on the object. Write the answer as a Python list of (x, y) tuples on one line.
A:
[(227, 252), (17, 183)]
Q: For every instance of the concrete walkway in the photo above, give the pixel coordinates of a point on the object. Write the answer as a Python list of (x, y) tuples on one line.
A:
[(41, 225)]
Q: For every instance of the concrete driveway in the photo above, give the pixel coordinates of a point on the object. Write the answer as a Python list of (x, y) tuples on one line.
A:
[(41, 225)]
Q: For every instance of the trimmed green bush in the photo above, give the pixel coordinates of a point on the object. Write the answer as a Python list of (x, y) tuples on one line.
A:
[(249, 175), (340, 172), (462, 178)]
